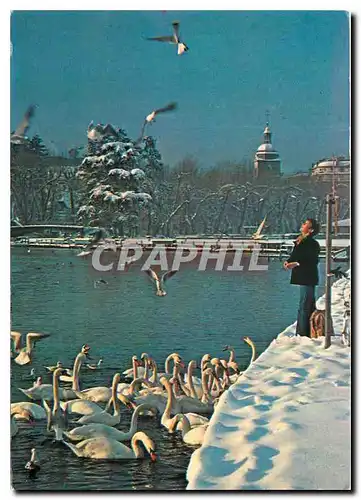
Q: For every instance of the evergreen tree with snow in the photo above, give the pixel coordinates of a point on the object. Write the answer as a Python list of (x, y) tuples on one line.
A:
[(117, 179)]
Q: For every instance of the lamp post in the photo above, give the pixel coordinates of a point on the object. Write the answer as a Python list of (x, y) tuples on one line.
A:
[(330, 201)]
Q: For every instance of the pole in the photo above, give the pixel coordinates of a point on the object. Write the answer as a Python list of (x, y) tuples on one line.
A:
[(330, 200)]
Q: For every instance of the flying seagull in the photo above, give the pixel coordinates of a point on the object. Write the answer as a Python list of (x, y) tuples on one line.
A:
[(151, 117), (174, 39), (159, 281), (18, 137)]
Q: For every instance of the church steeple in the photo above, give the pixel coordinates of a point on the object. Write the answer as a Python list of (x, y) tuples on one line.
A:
[(267, 134), (267, 131)]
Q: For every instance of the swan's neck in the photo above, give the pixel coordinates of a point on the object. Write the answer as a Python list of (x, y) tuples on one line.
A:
[(232, 356), (253, 352), (76, 369), (116, 405), (134, 422), (169, 404), (155, 373), (190, 380), (137, 449), (146, 368), (135, 368), (167, 363), (206, 395), (56, 391)]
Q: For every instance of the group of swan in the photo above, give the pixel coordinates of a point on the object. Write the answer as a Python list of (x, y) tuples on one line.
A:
[(184, 401)]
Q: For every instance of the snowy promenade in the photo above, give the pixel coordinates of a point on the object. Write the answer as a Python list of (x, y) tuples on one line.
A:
[(286, 423)]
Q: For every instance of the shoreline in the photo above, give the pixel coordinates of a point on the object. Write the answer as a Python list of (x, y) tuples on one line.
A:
[(285, 424)]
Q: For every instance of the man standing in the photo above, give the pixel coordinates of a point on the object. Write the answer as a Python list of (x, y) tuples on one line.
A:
[(303, 262)]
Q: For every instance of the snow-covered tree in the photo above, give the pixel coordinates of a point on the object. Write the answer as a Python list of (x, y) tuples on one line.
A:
[(118, 178)]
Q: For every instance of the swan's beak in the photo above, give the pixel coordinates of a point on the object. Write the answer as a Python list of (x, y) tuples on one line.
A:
[(225, 348), (153, 456)]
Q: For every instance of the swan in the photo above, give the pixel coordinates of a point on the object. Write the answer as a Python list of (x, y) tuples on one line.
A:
[(39, 391), (177, 359), (33, 464), (232, 356), (25, 353), (73, 375), (96, 430), (59, 364), (190, 435), (103, 448), (81, 407), (136, 371), (14, 427), (166, 419), (160, 292), (96, 366), (57, 417), (37, 412), (104, 417), (253, 347), (195, 391)]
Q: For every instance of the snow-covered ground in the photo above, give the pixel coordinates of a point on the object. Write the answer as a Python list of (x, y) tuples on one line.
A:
[(286, 423)]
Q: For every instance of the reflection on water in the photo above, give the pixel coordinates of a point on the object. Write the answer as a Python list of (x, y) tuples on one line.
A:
[(53, 292)]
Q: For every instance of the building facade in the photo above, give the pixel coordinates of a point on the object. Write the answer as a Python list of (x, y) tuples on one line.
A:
[(327, 170), (267, 161)]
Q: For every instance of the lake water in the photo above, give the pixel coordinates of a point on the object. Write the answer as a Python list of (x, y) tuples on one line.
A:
[(53, 292)]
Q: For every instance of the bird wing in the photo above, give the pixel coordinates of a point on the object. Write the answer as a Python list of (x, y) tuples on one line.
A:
[(24, 125), (162, 38), (32, 337), (16, 336), (169, 107), (175, 25), (168, 275), (152, 274)]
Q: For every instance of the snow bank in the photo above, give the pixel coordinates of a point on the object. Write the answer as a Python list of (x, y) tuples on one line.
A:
[(285, 424)]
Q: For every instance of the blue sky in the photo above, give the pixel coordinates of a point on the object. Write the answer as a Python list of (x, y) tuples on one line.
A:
[(79, 66)]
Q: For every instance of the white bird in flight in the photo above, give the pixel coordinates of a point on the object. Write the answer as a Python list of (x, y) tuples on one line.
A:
[(18, 137), (151, 117), (159, 281), (174, 39)]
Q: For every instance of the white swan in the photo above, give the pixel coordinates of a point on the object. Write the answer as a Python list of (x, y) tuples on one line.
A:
[(97, 430), (37, 412), (39, 391), (253, 347), (166, 419), (137, 369), (81, 407), (102, 448), (194, 435), (73, 375), (51, 369), (232, 356), (104, 417), (25, 354), (57, 417)]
